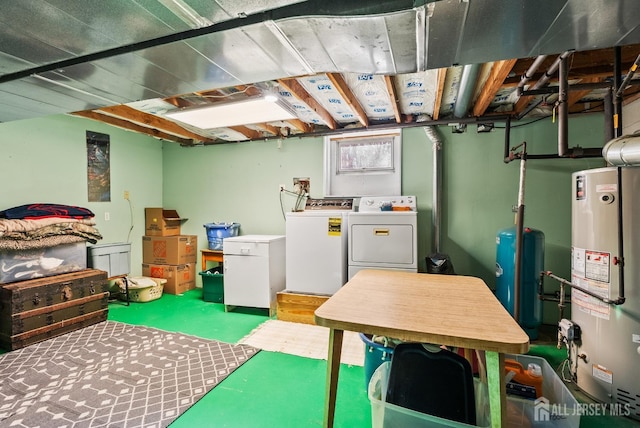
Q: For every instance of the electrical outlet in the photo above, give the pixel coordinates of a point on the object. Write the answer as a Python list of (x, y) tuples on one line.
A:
[(107, 216), (126, 195), (302, 185), (282, 188)]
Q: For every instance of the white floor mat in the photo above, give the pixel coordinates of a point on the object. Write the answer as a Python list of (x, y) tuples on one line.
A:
[(305, 340)]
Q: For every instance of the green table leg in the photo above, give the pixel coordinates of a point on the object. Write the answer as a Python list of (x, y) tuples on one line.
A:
[(497, 389)]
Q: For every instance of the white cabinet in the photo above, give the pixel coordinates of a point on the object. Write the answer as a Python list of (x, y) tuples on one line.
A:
[(254, 270)]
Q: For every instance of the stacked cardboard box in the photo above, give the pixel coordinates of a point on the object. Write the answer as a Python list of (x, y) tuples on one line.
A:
[(168, 254)]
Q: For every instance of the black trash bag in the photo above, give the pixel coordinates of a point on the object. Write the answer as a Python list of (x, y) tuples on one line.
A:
[(439, 263)]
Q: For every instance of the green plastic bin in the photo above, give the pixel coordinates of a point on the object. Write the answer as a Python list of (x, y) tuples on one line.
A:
[(213, 285)]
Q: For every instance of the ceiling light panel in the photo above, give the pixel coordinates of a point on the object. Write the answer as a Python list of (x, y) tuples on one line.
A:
[(255, 110)]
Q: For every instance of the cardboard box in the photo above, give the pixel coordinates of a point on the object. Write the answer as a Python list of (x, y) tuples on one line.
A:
[(169, 250), (161, 222), (180, 278)]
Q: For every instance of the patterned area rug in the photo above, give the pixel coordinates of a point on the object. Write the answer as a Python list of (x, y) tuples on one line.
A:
[(304, 340), (112, 375)]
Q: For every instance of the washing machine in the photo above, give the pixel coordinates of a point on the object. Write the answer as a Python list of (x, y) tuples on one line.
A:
[(316, 254), (383, 234)]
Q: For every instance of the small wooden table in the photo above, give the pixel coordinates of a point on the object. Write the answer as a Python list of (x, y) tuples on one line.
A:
[(210, 256), (451, 310)]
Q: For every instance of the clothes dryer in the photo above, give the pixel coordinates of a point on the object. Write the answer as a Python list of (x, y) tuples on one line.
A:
[(383, 234)]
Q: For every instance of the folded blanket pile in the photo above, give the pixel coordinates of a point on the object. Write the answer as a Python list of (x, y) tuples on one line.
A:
[(31, 236)]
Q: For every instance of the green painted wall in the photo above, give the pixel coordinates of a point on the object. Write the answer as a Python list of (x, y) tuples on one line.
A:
[(45, 160), (239, 182)]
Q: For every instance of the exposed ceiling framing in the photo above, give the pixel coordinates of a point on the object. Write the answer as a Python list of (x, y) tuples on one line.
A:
[(339, 64)]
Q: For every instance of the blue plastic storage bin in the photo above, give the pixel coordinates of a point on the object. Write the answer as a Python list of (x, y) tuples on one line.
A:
[(374, 355), (216, 232)]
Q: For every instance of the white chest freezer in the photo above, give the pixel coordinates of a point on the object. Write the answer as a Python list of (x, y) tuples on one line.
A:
[(254, 270)]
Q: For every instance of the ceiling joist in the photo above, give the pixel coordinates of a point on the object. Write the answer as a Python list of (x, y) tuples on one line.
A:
[(300, 93), (125, 124), (389, 81), (499, 71), (151, 121), (351, 100), (442, 76)]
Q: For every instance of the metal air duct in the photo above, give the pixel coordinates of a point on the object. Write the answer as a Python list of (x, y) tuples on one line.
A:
[(623, 151), (465, 90)]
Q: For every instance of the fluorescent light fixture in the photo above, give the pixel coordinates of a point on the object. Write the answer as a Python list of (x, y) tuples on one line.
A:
[(262, 109)]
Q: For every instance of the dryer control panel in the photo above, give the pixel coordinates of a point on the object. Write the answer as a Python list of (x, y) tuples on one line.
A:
[(387, 203)]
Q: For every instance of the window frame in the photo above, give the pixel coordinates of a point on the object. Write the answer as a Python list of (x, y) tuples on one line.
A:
[(366, 181)]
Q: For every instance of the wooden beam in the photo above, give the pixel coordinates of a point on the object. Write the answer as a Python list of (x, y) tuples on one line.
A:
[(299, 92), (499, 71), (351, 100), (391, 90), (300, 125), (437, 103), (152, 121), (178, 102), (522, 103), (124, 124), (267, 128), (575, 96), (630, 98), (251, 134)]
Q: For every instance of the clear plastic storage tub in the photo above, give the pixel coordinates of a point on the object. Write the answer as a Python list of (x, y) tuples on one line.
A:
[(557, 408)]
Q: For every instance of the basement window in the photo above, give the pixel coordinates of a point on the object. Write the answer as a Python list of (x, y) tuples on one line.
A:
[(363, 164)]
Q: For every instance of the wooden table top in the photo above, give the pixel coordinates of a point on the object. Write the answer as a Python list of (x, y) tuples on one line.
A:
[(452, 310)]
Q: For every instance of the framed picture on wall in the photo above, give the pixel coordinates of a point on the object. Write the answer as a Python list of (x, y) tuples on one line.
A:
[(98, 167)]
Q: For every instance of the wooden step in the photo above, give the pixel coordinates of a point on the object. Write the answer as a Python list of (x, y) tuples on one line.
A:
[(296, 307)]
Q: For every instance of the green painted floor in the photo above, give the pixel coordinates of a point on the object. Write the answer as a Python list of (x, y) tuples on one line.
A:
[(270, 390), (274, 389)]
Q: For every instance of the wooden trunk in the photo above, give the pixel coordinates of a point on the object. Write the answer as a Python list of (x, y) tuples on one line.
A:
[(296, 307), (38, 309)]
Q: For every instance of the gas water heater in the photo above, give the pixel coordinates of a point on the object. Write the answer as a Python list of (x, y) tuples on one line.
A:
[(606, 230)]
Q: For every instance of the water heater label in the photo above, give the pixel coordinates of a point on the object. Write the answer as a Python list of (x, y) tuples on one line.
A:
[(577, 261), (335, 226), (602, 373), (597, 265), (588, 304), (608, 188)]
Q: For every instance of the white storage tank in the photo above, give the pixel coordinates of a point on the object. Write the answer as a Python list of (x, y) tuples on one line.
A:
[(608, 354)]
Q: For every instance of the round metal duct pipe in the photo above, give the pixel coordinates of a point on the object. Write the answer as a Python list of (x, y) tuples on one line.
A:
[(468, 81), (623, 151)]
